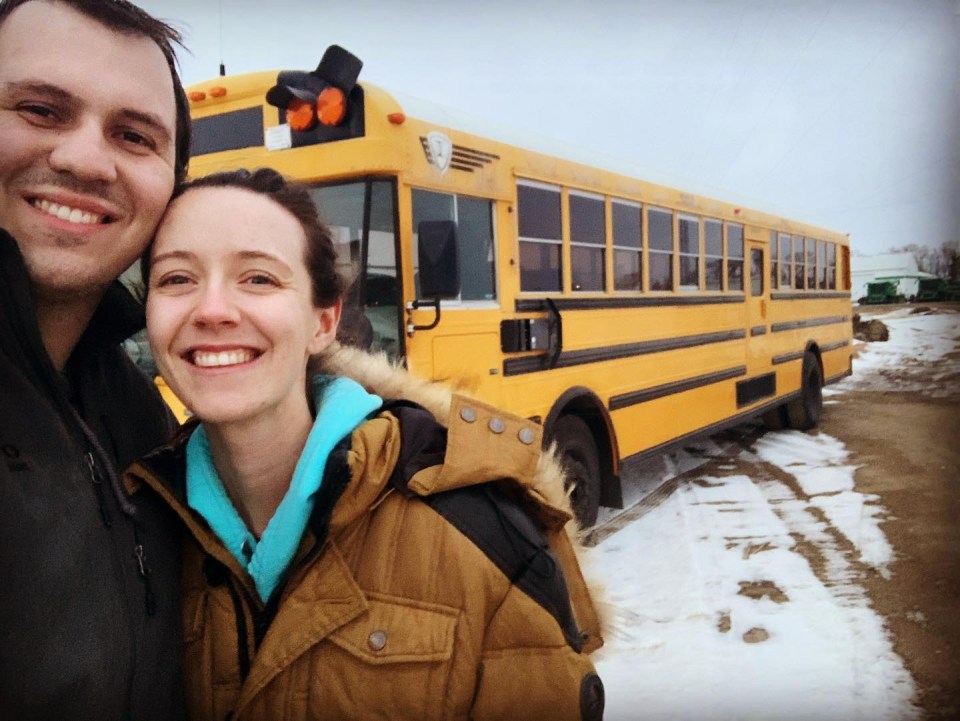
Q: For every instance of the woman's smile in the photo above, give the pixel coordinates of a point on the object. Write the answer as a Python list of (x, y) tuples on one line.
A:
[(221, 358)]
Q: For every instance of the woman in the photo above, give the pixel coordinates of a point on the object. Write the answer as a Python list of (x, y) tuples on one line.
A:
[(346, 557)]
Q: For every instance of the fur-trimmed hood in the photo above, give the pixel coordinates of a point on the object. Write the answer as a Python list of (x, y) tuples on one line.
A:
[(377, 374)]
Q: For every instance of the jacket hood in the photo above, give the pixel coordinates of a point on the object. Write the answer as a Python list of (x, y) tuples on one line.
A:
[(540, 474)]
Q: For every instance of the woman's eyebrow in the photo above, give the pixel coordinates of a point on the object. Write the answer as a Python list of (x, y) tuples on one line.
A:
[(173, 255), (261, 255)]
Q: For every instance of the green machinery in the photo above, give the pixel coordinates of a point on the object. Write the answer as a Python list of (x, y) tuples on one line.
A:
[(931, 289), (882, 291)]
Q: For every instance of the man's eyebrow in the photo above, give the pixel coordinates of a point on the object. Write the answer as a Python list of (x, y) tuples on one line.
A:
[(40, 88), (148, 119)]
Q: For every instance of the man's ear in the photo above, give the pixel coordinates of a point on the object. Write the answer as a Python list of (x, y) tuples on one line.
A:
[(328, 319)]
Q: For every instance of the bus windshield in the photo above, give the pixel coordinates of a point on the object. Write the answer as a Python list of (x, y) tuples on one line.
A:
[(361, 216)]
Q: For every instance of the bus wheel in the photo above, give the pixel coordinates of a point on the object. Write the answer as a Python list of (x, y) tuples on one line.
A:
[(582, 465), (803, 413)]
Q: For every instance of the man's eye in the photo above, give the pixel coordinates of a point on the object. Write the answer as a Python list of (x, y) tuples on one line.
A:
[(36, 110), (135, 138)]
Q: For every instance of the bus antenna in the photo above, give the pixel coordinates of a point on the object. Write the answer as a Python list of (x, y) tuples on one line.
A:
[(223, 67)]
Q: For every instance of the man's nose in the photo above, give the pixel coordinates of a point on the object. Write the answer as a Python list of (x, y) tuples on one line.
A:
[(85, 151)]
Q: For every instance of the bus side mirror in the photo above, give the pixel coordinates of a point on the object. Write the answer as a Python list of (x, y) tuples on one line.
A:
[(439, 259)]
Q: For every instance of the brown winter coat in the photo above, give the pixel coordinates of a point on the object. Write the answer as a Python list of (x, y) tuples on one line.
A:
[(389, 611)]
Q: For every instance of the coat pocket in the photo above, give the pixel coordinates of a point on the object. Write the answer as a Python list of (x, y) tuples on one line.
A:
[(396, 659), (399, 630)]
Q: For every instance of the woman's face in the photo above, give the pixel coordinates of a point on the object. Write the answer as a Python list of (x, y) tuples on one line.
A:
[(229, 310)]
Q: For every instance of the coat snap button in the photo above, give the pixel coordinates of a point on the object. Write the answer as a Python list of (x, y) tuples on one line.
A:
[(497, 425), (526, 436), (468, 414), (377, 640)]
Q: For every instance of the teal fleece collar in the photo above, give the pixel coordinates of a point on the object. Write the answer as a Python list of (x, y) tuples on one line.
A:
[(342, 405)]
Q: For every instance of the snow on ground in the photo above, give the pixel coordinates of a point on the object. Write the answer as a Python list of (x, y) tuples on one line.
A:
[(928, 339), (738, 596)]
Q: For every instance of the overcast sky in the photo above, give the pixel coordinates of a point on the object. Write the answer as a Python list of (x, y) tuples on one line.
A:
[(841, 113)]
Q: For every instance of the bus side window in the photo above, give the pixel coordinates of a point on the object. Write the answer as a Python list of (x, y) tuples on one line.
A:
[(474, 219), (756, 271)]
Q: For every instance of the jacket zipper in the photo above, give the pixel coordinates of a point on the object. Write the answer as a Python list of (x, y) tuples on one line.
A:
[(243, 645), (144, 571), (98, 489)]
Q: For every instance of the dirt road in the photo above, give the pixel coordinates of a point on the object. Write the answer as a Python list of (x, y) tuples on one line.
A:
[(907, 445)]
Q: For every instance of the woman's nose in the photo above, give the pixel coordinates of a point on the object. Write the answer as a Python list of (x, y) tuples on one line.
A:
[(215, 307)]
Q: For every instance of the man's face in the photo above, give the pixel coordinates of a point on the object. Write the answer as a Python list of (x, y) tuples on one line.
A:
[(87, 145)]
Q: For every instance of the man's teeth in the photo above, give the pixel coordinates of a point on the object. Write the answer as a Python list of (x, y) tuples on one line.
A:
[(64, 212), (223, 358)]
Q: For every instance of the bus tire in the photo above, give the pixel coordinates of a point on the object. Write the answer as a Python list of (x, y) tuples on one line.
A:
[(803, 413), (581, 461)]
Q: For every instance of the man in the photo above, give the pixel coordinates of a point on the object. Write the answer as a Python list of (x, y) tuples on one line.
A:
[(94, 132)]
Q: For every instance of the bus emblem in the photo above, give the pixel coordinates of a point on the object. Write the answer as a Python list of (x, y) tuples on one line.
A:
[(439, 150)]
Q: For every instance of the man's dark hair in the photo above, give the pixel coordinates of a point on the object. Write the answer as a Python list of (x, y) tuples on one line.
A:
[(128, 19), (320, 256)]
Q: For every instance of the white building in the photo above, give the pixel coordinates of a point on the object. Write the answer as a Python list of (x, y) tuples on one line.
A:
[(899, 267)]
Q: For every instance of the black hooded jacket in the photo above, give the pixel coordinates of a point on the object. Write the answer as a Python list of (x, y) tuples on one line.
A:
[(89, 604)]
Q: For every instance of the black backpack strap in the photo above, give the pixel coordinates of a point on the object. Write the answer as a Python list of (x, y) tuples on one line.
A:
[(495, 523)]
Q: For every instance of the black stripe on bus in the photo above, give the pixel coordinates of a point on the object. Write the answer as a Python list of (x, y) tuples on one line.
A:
[(713, 428), (758, 330), (753, 389), (532, 305), (787, 357), (797, 355), (833, 346), (809, 295), (532, 364), (793, 325), (648, 394)]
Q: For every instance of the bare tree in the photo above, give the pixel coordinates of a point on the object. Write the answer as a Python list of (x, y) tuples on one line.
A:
[(942, 262)]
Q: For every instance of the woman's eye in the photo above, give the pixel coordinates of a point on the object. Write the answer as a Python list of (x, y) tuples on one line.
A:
[(260, 279), (172, 279)]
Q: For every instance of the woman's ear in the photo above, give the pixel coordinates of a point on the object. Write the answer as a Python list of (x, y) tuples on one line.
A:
[(326, 331)]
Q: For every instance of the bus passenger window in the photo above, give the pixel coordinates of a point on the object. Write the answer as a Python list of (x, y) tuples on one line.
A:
[(474, 219), (538, 217), (660, 239), (798, 271), (713, 252), (774, 260), (831, 266), (756, 271), (811, 246), (587, 242), (821, 265), (786, 269), (689, 231), (627, 246), (734, 256)]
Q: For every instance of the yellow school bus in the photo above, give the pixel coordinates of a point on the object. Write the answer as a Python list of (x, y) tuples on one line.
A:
[(623, 315)]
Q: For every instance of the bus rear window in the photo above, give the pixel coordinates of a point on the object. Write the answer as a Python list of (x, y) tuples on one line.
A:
[(227, 131)]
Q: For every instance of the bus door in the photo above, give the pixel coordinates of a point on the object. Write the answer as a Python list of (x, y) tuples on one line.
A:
[(361, 215), (463, 347), (758, 325)]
